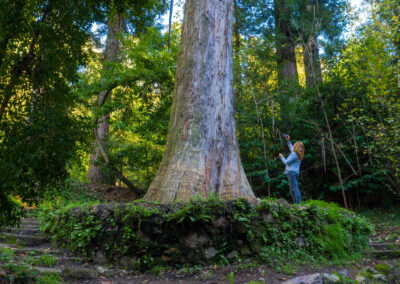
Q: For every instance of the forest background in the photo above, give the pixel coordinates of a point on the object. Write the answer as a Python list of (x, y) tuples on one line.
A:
[(308, 68)]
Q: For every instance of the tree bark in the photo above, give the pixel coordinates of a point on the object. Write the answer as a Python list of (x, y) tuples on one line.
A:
[(285, 46), (312, 62), (96, 174), (202, 154)]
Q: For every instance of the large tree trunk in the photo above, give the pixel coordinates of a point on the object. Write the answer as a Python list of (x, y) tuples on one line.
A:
[(312, 62), (202, 154), (285, 46), (95, 173)]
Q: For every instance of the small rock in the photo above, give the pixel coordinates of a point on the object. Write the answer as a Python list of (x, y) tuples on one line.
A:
[(99, 258), (371, 270), (268, 218), (379, 277), (142, 251), (315, 278), (165, 258), (300, 242), (101, 269), (127, 261), (330, 278), (283, 202), (361, 279), (171, 251), (294, 219), (210, 253), (245, 251), (78, 273), (145, 239), (219, 223), (194, 240), (233, 254), (344, 272)]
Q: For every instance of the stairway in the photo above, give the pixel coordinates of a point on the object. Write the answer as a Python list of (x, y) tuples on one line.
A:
[(384, 245), (26, 255)]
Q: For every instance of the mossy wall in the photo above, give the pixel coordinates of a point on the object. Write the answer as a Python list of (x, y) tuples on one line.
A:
[(142, 235)]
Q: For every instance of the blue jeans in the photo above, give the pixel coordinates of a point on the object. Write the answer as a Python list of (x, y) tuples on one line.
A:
[(294, 187)]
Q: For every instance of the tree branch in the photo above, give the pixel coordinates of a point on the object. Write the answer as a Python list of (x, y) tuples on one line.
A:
[(114, 170), (104, 94)]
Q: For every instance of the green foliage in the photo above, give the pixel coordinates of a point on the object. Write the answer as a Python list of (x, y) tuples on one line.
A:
[(19, 272), (44, 129), (38, 64), (50, 278), (45, 260), (139, 105), (360, 98), (12, 210)]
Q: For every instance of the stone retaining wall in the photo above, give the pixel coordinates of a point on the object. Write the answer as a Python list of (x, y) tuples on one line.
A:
[(143, 235)]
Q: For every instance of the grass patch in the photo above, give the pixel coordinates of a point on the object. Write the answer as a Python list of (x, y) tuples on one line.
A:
[(49, 278), (45, 260)]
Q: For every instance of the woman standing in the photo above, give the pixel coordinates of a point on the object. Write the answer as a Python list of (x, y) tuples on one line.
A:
[(292, 169)]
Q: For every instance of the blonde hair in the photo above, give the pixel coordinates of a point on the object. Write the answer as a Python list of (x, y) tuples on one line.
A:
[(298, 148)]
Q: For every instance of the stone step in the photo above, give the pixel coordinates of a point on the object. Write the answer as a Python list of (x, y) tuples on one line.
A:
[(24, 231), (34, 252), (22, 227), (385, 246), (25, 240), (24, 248), (68, 272), (30, 221), (78, 272), (384, 254), (36, 259)]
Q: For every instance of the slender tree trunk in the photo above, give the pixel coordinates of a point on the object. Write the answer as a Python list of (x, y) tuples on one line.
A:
[(312, 62), (237, 59), (95, 173), (332, 147), (236, 26), (202, 154), (285, 46)]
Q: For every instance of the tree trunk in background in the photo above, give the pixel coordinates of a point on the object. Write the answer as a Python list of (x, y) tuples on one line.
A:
[(237, 68), (95, 172), (285, 47), (236, 26), (202, 154), (312, 63)]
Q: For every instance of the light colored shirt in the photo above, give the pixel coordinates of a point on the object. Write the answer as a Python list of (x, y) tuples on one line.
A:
[(292, 162)]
